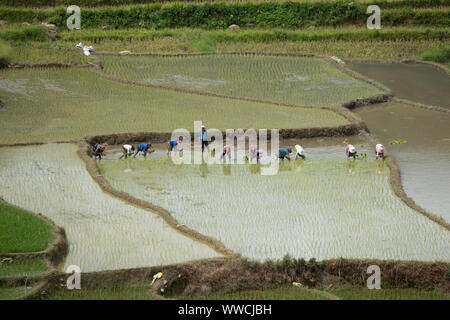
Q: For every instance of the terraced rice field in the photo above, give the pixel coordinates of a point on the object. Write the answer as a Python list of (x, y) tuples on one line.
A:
[(323, 208), (103, 233), (302, 81), (62, 104)]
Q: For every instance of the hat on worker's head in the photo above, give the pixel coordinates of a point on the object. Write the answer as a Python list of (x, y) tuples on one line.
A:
[(352, 149)]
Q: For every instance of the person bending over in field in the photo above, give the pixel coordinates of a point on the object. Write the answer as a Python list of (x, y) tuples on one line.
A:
[(127, 149), (144, 148), (255, 154), (97, 151), (284, 153), (300, 152), (226, 153), (175, 144), (379, 149), (350, 151)]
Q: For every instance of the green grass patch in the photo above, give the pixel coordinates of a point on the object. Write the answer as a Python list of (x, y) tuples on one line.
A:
[(21, 231), (23, 33), (280, 293), (22, 268), (9, 293), (439, 54), (118, 293), (5, 51), (388, 294)]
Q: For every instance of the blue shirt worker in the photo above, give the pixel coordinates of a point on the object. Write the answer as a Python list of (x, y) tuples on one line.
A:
[(204, 137), (144, 148)]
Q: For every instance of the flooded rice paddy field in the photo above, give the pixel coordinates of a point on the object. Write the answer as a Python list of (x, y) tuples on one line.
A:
[(414, 82), (104, 233), (324, 207), (53, 104), (424, 160), (294, 80)]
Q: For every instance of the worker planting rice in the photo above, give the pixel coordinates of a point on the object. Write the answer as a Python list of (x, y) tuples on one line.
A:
[(127, 149)]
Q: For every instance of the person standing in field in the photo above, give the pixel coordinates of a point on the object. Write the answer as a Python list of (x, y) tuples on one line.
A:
[(379, 149), (144, 148), (127, 149), (350, 151), (204, 138)]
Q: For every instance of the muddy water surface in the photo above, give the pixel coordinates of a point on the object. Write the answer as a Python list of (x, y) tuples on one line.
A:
[(104, 233), (414, 82), (424, 161), (324, 207)]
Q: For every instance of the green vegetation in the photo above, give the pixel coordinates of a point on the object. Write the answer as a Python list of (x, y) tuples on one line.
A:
[(364, 219), (22, 268), (16, 33), (99, 3), (280, 293), (293, 80), (61, 104), (21, 231), (9, 293), (5, 51), (439, 54), (355, 293), (139, 292), (286, 15)]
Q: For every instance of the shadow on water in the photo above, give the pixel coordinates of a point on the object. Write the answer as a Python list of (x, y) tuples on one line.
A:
[(414, 82)]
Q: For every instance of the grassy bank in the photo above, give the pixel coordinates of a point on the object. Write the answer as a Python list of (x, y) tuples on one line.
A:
[(22, 268), (100, 3), (285, 15), (21, 231), (137, 292)]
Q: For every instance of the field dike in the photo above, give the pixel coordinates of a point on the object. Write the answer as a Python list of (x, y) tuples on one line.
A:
[(227, 274)]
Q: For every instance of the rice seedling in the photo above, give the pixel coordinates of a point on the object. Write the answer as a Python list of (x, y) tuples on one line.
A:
[(103, 233), (20, 231), (22, 268), (325, 207), (60, 104), (295, 80)]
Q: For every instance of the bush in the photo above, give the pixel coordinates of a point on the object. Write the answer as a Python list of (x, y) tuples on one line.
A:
[(439, 54), (5, 51), (23, 34)]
